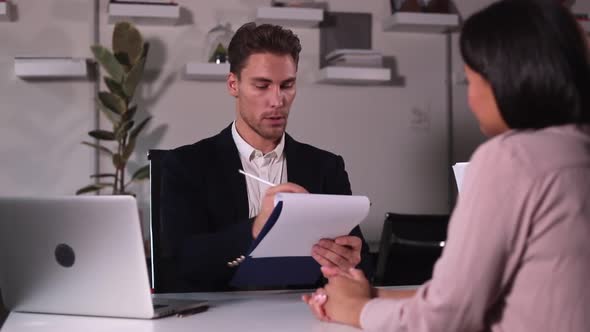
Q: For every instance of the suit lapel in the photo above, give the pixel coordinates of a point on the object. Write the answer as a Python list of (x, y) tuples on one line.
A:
[(297, 159), (229, 163)]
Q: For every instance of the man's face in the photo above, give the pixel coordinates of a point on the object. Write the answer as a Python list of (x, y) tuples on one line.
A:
[(264, 92)]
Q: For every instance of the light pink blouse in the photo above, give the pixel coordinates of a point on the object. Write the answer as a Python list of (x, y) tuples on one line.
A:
[(518, 250)]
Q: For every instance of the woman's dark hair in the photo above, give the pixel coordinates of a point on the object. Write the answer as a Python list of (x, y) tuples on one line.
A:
[(536, 59), (250, 39)]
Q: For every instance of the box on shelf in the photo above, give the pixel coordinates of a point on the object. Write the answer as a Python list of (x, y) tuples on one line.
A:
[(420, 22), (292, 17), (5, 10), (164, 12), (354, 75)]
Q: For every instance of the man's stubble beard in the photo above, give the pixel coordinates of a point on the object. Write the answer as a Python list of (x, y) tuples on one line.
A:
[(259, 130), (270, 134)]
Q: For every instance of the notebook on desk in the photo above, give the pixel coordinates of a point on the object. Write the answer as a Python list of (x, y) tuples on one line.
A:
[(77, 255)]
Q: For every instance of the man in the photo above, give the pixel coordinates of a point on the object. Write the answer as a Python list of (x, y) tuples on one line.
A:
[(211, 213)]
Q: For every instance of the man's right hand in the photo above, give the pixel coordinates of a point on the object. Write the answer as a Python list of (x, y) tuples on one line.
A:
[(268, 204)]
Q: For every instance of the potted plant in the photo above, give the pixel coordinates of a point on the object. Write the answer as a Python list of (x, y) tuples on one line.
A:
[(124, 65)]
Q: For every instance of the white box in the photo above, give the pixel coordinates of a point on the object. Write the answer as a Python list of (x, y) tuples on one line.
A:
[(39, 67), (155, 12), (4, 11), (293, 17), (354, 75), (420, 22), (207, 71)]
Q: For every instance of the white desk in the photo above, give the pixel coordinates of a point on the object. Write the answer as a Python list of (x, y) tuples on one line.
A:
[(241, 312)]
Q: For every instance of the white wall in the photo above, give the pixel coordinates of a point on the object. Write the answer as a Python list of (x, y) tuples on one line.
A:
[(401, 166), (42, 123)]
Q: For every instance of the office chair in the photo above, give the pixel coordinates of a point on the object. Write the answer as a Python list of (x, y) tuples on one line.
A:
[(409, 247), (163, 269), (3, 311)]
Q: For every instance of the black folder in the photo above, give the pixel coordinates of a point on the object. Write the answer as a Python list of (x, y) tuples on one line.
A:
[(275, 271)]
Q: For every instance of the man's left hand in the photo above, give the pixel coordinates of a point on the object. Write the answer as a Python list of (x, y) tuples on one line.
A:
[(343, 252)]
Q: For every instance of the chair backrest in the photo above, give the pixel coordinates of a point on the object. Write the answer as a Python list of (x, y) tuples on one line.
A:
[(158, 257), (410, 245), (3, 311)]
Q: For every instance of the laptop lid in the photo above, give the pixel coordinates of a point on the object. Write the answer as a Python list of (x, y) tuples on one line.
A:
[(79, 255)]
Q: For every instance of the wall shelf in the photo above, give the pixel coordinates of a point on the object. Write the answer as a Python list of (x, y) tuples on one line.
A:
[(145, 12), (207, 71), (4, 11), (354, 75), (50, 67), (293, 17), (420, 22)]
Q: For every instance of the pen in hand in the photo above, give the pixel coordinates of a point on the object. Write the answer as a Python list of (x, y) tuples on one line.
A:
[(257, 178)]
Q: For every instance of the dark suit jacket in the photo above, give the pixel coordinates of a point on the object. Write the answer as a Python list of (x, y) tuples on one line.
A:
[(204, 205)]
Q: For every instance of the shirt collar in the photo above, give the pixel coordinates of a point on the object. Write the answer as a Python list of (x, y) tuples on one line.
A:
[(247, 151)]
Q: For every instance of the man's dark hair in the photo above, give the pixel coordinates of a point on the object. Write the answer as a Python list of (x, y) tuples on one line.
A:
[(251, 38), (536, 59)]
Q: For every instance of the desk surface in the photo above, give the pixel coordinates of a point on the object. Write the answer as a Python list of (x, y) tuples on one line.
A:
[(230, 312)]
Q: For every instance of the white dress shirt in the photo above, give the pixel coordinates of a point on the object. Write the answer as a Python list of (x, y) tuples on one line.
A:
[(271, 167)]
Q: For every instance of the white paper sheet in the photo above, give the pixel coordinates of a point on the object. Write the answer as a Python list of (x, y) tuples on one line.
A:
[(307, 218), (459, 171)]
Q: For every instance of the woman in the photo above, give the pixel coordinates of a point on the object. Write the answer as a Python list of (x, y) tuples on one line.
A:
[(518, 250)]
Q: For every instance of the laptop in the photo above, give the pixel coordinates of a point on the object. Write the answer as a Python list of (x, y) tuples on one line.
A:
[(78, 255)]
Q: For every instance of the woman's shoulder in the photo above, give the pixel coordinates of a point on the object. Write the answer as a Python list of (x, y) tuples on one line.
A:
[(538, 151)]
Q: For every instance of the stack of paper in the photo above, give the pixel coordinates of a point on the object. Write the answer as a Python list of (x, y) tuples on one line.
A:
[(355, 58), (459, 171), (281, 254)]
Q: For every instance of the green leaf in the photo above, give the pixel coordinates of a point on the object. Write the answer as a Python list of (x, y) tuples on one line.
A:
[(115, 87), (133, 77), (108, 61), (123, 129), (127, 40), (102, 134), (118, 161), (219, 52), (139, 127), (99, 147), (129, 114), (93, 188), (124, 61), (110, 114), (104, 175), (112, 102), (141, 174)]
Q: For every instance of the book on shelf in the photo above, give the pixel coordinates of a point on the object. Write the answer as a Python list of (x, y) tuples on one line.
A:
[(144, 2), (348, 51), (297, 4), (355, 58), (356, 61)]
